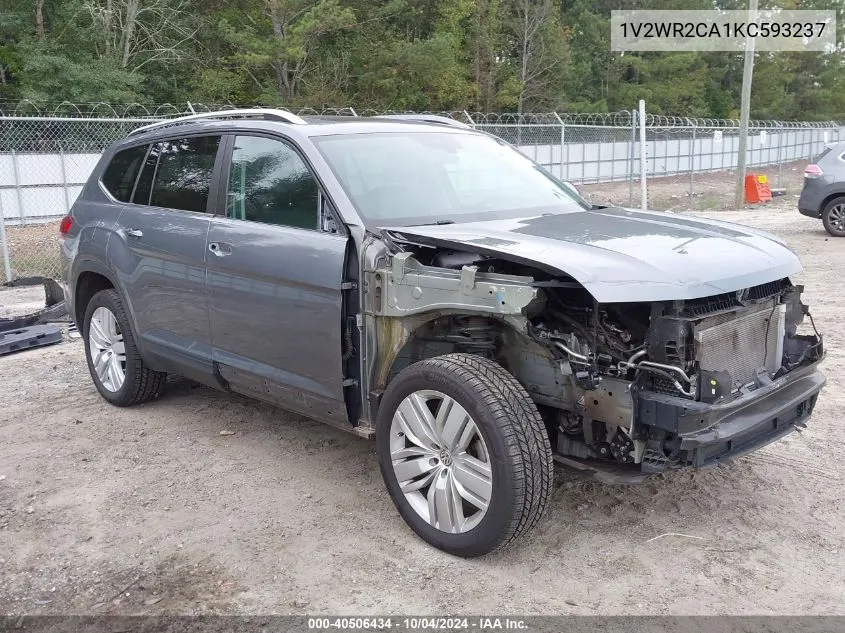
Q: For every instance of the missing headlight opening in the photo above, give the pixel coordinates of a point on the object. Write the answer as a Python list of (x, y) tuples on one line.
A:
[(625, 389)]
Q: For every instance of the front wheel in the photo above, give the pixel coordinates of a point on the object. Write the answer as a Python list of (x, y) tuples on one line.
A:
[(464, 453), (833, 217)]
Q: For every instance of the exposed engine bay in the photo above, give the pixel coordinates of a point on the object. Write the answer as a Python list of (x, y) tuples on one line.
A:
[(632, 385)]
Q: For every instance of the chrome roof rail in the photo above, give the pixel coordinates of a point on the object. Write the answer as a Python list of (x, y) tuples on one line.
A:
[(270, 114), (425, 118)]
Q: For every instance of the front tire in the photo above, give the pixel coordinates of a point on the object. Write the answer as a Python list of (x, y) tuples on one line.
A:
[(115, 365), (833, 217), (464, 453)]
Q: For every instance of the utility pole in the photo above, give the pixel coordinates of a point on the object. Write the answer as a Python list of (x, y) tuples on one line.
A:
[(745, 106), (643, 158)]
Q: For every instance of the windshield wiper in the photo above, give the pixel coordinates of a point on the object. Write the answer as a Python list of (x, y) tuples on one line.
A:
[(436, 223)]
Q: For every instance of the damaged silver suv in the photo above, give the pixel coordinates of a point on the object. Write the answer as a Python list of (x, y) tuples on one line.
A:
[(418, 282)]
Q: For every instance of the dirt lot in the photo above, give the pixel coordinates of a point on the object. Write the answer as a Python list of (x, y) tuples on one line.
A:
[(151, 509)]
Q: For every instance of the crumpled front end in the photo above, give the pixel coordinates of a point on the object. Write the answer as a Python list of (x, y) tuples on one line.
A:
[(704, 380), (626, 389)]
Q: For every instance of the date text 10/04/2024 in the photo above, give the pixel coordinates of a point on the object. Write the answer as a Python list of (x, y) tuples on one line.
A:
[(480, 623)]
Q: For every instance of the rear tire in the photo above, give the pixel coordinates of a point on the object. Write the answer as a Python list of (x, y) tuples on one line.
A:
[(116, 367), (511, 452), (833, 217)]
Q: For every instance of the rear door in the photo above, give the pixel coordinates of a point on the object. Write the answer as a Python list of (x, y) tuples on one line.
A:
[(159, 249), (275, 265)]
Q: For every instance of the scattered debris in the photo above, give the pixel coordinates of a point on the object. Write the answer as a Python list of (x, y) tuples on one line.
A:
[(28, 337), (55, 308), (700, 538), (124, 590)]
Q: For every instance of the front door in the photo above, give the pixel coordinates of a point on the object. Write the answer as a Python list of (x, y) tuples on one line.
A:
[(274, 274), (159, 250)]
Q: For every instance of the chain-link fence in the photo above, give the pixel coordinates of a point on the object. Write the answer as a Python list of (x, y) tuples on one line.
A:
[(46, 156)]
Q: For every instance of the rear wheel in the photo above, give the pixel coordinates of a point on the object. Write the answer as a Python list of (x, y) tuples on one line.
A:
[(116, 366), (464, 453), (833, 217)]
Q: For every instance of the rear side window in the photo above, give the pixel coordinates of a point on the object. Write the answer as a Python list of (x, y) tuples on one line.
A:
[(119, 177), (177, 174)]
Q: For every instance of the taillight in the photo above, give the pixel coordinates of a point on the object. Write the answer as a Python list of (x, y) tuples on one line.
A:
[(65, 225), (813, 171)]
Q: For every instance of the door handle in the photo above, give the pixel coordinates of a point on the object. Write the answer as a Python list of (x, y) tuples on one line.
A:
[(220, 249), (136, 233)]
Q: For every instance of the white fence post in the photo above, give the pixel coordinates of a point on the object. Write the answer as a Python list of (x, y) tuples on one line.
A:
[(562, 142), (4, 245), (17, 184), (691, 158), (631, 146), (64, 180), (643, 166)]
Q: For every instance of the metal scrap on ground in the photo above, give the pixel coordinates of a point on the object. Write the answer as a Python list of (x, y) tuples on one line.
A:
[(29, 337)]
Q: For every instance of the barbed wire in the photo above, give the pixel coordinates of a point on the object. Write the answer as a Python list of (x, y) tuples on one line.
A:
[(623, 118)]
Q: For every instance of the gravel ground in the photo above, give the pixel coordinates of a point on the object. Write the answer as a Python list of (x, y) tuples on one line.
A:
[(17, 302), (150, 509)]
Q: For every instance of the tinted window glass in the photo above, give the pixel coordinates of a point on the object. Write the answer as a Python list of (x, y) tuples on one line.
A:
[(120, 175), (184, 171), (270, 183)]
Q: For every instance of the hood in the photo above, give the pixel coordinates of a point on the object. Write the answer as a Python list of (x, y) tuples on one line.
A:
[(626, 255)]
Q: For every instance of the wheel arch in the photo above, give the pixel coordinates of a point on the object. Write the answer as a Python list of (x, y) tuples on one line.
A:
[(503, 338), (830, 198), (90, 277)]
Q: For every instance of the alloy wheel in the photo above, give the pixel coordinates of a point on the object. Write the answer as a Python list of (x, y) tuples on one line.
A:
[(441, 461), (107, 349), (836, 218)]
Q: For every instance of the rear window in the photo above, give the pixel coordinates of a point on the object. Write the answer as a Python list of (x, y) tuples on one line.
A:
[(183, 177), (177, 174), (119, 177)]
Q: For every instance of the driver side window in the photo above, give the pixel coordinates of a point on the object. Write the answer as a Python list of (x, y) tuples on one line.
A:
[(269, 183)]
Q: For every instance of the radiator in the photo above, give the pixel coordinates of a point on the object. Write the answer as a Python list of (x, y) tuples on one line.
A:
[(742, 344)]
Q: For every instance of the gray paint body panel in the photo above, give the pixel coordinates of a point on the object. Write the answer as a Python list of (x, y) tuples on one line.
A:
[(622, 255), (162, 274), (275, 313)]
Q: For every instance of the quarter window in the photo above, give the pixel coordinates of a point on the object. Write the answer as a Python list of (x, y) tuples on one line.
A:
[(270, 183), (119, 177), (145, 180), (182, 176)]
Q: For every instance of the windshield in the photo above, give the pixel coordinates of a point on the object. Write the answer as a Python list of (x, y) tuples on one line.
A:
[(440, 177)]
